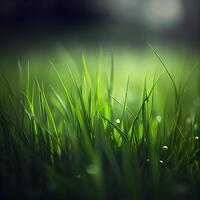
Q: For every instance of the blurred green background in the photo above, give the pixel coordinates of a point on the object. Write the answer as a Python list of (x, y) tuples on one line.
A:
[(36, 33)]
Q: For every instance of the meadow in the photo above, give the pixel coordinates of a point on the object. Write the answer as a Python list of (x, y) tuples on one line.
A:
[(101, 124)]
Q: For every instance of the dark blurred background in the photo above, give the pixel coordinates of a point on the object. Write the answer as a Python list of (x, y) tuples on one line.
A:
[(100, 20)]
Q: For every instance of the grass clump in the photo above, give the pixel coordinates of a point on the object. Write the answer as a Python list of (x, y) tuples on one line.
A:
[(76, 140)]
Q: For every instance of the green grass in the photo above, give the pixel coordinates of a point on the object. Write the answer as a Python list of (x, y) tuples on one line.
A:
[(95, 133)]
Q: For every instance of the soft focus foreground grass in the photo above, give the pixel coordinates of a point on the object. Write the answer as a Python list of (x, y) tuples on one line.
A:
[(100, 125)]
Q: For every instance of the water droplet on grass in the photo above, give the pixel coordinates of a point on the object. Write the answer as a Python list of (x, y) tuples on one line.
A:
[(118, 121), (161, 162), (165, 147), (158, 118)]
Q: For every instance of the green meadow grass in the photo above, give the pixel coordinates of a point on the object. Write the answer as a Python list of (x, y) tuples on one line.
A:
[(97, 133)]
